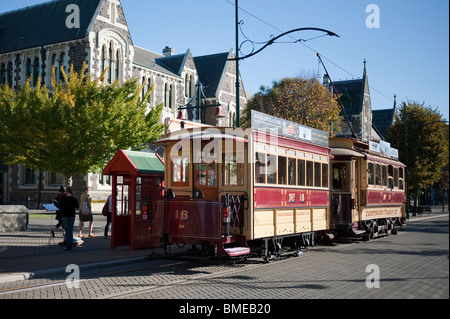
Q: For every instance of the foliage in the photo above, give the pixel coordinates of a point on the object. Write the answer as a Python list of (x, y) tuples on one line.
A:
[(427, 143), (300, 100), (77, 126)]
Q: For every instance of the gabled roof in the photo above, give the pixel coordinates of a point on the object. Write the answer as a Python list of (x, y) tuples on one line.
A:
[(352, 95), (134, 163), (382, 119), (173, 63), (210, 69), (148, 59), (44, 24)]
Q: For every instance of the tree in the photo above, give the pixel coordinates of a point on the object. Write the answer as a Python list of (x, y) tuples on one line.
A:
[(427, 142), (76, 127), (300, 100)]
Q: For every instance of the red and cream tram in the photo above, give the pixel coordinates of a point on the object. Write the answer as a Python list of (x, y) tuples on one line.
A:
[(229, 189), (367, 188)]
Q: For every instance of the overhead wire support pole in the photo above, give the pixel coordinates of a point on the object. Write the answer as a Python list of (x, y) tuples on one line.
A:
[(339, 100), (270, 42)]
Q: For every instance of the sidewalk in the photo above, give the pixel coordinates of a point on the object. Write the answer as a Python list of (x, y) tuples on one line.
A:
[(35, 254)]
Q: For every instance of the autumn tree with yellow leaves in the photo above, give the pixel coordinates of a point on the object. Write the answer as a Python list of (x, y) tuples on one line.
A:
[(301, 100), (75, 126)]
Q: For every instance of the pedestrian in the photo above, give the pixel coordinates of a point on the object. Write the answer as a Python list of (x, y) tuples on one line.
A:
[(57, 203), (108, 214), (69, 204), (86, 212)]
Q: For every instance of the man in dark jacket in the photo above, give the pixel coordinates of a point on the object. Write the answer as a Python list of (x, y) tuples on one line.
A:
[(68, 206)]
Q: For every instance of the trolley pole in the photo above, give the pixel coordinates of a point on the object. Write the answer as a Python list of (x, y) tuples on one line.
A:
[(238, 82)]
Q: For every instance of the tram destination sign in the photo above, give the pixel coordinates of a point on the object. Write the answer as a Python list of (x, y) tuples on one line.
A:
[(265, 122)]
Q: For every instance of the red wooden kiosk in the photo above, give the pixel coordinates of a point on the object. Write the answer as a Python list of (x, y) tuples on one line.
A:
[(137, 180)]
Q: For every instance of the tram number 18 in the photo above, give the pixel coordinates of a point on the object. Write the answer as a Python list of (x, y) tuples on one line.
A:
[(183, 215)]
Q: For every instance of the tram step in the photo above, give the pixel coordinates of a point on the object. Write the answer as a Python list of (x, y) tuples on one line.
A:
[(358, 231), (237, 251)]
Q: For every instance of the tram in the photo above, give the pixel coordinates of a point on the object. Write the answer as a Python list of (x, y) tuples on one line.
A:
[(367, 189), (272, 189)]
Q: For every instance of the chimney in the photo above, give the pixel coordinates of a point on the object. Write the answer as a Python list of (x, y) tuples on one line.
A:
[(168, 51)]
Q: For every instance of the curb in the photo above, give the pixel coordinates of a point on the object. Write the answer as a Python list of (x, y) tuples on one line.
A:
[(15, 277)]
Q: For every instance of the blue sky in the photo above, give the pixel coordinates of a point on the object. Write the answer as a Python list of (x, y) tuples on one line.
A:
[(408, 55)]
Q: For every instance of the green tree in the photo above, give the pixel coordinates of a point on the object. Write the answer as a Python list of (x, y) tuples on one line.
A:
[(77, 126), (302, 100), (427, 142)]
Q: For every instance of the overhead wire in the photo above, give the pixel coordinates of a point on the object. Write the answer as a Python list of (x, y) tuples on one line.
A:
[(301, 41)]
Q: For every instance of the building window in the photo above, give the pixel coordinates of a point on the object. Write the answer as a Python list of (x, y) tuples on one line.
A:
[(168, 96), (2, 74), (55, 66), (28, 176), (36, 71), (117, 65), (63, 70), (28, 70), (9, 74)]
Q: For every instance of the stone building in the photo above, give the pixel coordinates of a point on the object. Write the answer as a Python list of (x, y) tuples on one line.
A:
[(367, 124), (37, 38)]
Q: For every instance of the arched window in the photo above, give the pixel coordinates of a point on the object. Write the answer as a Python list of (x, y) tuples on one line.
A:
[(28, 70), (110, 63), (117, 70), (143, 88), (104, 61), (62, 62), (55, 65), (168, 96), (149, 87), (36, 71), (9, 74), (2, 74)]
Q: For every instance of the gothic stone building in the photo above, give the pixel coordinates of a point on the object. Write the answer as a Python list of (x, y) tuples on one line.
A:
[(367, 124), (37, 38)]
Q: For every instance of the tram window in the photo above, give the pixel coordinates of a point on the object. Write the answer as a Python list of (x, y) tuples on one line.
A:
[(390, 169), (384, 175), (324, 175), (301, 172), (233, 171), (291, 171), (395, 177), (378, 174), (282, 170), (317, 174), (207, 174), (260, 168), (340, 176), (370, 173), (309, 173), (180, 170), (271, 169)]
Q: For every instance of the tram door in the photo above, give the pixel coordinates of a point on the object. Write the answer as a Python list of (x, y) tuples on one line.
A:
[(341, 192)]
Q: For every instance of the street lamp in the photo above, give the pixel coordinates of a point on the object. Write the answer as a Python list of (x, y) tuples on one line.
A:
[(268, 43)]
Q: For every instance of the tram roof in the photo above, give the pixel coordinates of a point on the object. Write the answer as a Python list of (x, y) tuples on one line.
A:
[(207, 134)]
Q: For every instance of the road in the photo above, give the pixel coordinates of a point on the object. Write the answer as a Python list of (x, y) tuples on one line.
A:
[(411, 265)]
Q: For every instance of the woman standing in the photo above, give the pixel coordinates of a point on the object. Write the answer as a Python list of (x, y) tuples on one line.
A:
[(86, 212)]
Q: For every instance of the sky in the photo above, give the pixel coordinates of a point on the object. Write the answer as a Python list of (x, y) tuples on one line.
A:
[(407, 52)]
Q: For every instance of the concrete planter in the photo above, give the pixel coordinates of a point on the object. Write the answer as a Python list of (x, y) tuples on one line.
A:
[(13, 218)]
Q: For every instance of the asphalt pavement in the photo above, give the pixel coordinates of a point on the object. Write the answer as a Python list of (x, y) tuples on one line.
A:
[(34, 253)]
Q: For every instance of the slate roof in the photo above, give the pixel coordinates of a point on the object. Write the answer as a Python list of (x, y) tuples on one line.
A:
[(210, 69), (148, 59), (43, 24), (352, 95), (382, 119)]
